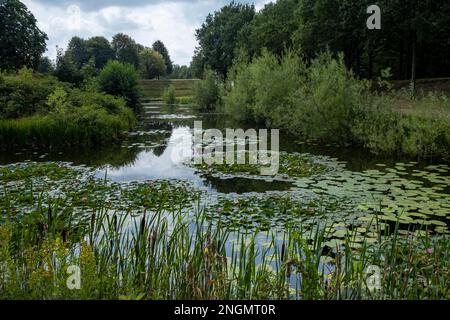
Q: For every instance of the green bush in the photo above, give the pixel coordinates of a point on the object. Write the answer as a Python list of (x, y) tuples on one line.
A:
[(66, 117), (25, 93), (207, 92), (169, 95), (119, 79), (326, 102)]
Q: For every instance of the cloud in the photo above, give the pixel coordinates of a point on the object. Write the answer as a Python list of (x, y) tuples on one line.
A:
[(174, 22)]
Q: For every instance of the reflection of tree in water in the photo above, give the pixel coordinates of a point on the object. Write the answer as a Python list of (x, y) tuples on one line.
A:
[(243, 185)]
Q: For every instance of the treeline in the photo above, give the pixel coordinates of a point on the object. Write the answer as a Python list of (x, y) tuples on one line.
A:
[(314, 69), (413, 40), (87, 99), (84, 59)]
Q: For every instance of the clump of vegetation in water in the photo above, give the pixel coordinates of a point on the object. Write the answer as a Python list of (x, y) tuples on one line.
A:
[(169, 96), (290, 166), (207, 92)]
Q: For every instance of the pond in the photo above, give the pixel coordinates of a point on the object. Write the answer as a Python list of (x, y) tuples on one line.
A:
[(342, 187)]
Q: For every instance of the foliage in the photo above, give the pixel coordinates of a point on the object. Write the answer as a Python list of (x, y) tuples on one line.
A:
[(169, 96), (326, 102), (219, 35), (66, 69), (152, 64), (207, 92), (100, 50), (45, 66), (125, 49), (121, 80), (181, 72), (159, 47), (21, 41), (24, 94), (79, 229), (78, 51)]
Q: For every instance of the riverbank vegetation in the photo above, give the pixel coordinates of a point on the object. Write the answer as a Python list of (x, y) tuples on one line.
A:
[(39, 110), (326, 102), (167, 248), (290, 68)]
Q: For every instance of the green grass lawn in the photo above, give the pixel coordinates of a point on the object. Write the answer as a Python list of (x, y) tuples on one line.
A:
[(153, 89)]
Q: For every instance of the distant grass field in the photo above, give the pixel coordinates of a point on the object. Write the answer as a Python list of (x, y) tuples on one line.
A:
[(153, 89)]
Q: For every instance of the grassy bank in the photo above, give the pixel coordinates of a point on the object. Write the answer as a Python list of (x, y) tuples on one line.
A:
[(153, 241)]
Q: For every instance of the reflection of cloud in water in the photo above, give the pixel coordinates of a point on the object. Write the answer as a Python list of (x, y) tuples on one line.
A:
[(169, 165)]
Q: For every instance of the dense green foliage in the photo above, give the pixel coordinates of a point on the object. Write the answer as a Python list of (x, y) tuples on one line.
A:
[(219, 35), (24, 94), (160, 255), (159, 47), (313, 27), (21, 41), (207, 92), (152, 64), (40, 111), (121, 80), (125, 49), (325, 101), (169, 95)]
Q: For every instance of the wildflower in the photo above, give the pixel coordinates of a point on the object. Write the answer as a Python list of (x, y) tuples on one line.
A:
[(430, 250)]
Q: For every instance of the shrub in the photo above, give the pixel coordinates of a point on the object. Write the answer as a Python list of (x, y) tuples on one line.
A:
[(207, 92), (119, 79), (25, 93), (326, 102), (169, 95)]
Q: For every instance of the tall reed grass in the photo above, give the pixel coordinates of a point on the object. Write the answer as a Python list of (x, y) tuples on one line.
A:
[(174, 254)]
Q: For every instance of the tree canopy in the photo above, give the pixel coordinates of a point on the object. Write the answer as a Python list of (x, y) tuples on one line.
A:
[(159, 47), (21, 42), (125, 49), (152, 64), (220, 33)]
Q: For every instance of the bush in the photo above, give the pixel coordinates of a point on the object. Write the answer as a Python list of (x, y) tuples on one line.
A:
[(326, 102), (207, 92), (119, 79), (25, 93), (69, 117), (169, 95)]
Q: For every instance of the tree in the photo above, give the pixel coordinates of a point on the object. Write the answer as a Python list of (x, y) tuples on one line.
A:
[(78, 51), (120, 79), (152, 64), (100, 49), (125, 49), (66, 70), (21, 42), (45, 66), (271, 28), (219, 35), (159, 47)]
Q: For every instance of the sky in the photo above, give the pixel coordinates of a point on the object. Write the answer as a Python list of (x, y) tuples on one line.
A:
[(172, 21)]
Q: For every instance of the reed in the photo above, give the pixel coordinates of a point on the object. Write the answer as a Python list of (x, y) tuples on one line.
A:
[(170, 253)]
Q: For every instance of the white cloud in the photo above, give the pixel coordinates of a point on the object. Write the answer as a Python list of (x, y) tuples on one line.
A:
[(174, 22)]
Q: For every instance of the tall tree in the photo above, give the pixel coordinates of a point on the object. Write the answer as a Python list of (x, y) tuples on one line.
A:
[(78, 51), (159, 46), (100, 49), (271, 28), (125, 49), (152, 64), (220, 33), (21, 42)]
